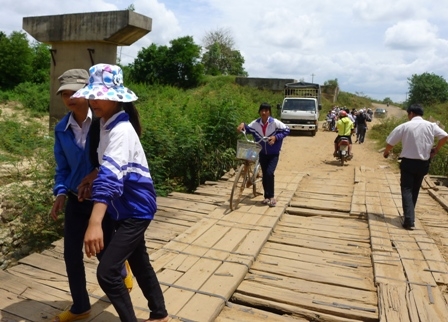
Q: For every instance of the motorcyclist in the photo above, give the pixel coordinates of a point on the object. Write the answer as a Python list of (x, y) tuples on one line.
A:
[(345, 129)]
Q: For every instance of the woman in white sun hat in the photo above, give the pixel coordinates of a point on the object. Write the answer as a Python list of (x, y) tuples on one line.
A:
[(125, 189), (76, 141)]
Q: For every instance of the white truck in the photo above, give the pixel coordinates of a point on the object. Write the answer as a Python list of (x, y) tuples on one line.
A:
[(301, 106)]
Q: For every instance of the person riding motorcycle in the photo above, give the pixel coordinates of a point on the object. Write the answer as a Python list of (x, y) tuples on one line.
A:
[(345, 129)]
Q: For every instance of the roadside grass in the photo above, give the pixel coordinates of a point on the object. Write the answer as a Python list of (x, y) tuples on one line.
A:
[(189, 137)]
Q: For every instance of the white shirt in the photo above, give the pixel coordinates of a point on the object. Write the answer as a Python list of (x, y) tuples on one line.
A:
[(80, 132), (417, 138)]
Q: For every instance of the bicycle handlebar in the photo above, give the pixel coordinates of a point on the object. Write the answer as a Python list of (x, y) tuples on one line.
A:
[(264, 138)]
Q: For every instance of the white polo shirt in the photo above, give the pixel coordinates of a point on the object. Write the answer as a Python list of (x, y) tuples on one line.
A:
[(417, 138)]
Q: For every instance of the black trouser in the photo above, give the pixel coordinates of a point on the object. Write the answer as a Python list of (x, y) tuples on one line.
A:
[(412, 172), (128, 243), (76, 220), (361, 133), (268, 164)]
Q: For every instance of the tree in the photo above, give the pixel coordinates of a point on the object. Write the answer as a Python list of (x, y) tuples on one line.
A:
[(40, 63), (183, 68), (331, 83), (427, 89), (148, 67), (178, 65), (220, 57), (16, 57)]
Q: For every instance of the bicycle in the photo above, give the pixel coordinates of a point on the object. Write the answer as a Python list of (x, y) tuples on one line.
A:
[(249, 172)]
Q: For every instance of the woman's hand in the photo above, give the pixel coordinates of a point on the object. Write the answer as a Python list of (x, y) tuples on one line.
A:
[(240, 127), (85, 187), (58, 207), (93, 238)]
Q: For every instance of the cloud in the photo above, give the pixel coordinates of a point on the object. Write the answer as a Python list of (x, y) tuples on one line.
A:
[(370, 46), (411, 35)]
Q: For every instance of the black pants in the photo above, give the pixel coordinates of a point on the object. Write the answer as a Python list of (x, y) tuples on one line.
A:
[(411, 176), (361, 133), (128, 243), (268, 164), (76, 220)]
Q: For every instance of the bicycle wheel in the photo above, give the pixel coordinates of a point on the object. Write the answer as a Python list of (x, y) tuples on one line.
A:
[(257, 178), (238, 186)]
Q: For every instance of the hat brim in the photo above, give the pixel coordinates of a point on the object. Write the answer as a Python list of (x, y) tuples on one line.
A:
[(99, 92), (70, 87)]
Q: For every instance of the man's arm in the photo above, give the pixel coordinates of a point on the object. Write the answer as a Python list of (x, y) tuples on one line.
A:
[(387, 150), (439, 145)]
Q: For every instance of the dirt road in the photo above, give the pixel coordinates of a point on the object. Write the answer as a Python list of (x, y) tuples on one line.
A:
[(302, 151)]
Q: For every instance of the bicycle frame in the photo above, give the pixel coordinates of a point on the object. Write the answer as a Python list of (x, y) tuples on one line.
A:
[(248, 174)]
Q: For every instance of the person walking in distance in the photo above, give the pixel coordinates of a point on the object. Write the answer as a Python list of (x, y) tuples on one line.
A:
[(361, 126), (417, 138), (276, 131), (76, 141), (125, 189)]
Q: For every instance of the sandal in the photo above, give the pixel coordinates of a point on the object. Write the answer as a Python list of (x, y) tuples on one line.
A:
[(67, 316), (272, 203), (128, 281), (266, 201)]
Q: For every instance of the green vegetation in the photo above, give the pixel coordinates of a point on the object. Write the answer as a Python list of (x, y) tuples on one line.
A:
[(188, 118)]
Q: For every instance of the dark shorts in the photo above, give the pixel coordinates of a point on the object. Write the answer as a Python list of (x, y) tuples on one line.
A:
[(349, 137)]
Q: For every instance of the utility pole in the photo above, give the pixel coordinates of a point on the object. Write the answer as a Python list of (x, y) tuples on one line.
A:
[(312, 78)]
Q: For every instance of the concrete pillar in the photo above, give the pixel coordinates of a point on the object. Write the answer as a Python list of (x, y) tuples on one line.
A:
[(84, 39)]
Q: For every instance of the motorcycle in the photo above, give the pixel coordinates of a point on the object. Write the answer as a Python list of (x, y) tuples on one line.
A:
[(327, 125), (342, 154)]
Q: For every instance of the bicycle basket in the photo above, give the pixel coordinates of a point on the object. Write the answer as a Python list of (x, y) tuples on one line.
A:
[(247, 150)]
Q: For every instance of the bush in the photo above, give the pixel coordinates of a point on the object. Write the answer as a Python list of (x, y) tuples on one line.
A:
[(34, 97)]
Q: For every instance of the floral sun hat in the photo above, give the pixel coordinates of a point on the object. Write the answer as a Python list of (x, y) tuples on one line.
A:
[(106, 83)]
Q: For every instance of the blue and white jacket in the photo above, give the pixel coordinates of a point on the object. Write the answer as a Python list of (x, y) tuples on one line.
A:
[(274, 128), (72, 162), (123, 182)]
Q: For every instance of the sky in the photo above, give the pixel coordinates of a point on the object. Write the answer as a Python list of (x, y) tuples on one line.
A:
[(372, 47)]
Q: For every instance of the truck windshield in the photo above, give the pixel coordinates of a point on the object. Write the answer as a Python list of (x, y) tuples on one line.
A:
[(299, 105)]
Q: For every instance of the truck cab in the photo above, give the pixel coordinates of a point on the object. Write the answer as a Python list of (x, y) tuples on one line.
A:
[(301, 106)]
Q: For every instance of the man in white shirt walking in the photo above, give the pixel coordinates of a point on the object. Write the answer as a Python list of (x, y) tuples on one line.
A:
[(417, 138)]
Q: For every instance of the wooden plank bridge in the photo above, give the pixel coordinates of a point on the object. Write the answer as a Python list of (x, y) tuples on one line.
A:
[(332, 250)]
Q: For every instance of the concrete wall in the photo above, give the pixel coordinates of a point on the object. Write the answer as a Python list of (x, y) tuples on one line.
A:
[(74, 55), (274, 84)]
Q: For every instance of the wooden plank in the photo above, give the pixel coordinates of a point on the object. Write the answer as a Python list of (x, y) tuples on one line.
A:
[(28, 310), (317, 212), (316, 275), (238, 313), (184, 204), (303, 253), (320, 204), (328, 232), (320, 303), (322, 243), (214, 200), (311, 287), (442, 201), (202, 308), (357, 272), (198, 274), (294, 310), (316, 257), (435, 261), (225, 280), (392, 302)]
